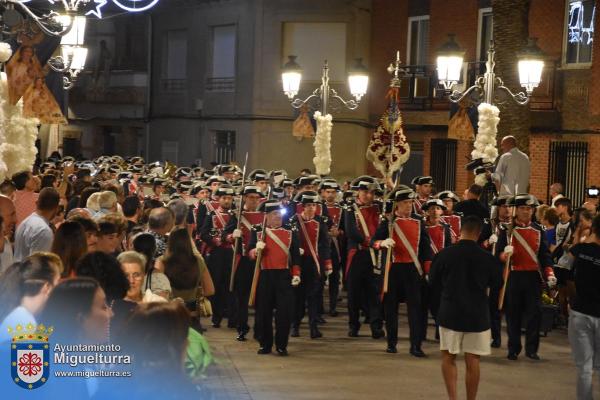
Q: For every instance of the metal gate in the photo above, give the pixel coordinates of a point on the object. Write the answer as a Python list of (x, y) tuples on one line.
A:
[(568, 166), (442, 164)]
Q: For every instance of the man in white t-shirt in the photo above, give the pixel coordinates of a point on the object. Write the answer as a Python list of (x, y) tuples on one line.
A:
[(556, 192)]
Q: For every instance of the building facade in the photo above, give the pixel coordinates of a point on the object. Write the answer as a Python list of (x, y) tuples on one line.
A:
[(564, 141), (202, 82)]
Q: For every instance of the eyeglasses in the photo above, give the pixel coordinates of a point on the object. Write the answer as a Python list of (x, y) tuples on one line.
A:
[(135, 275)]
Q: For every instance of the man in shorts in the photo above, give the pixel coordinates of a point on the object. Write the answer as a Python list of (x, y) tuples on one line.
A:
[(461, 277)]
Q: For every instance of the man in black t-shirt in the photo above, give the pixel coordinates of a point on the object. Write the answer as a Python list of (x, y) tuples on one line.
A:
[(584, 318), (471, 205), (461, 276)]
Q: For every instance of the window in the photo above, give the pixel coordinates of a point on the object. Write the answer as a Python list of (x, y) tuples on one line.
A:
[(418, 40), (175, 51), (224, 146), (579, 33), (222, 76), (485, 33), (313, 43)]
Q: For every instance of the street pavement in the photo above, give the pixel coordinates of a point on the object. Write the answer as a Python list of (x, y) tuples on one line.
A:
[(339, 367)]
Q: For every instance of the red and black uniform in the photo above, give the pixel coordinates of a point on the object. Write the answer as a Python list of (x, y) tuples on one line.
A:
[(337, 245), (219, 256), (531, 263), (360, 264), (418, 204), (315, 260), (203, 209), (454, 222), (244, 270), (404, 278), (280, 261)]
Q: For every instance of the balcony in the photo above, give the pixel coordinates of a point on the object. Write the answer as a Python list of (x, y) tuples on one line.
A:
[(226, 85)]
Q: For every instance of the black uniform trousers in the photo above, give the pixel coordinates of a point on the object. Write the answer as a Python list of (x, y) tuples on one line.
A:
[(241, 287), (306, 295), (404, 280), (274, 292), (523, 304), (362, 284), (334, 278), (223, 302)]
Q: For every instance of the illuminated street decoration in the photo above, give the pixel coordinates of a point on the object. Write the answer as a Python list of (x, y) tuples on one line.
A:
[(127, 5), (577, 31)]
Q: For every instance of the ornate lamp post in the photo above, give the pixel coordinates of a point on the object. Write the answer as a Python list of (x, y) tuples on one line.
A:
[(489, 86), (358, 81)]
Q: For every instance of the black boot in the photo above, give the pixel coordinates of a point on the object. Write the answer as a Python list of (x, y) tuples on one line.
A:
[(315, 333), (416, 351), (295, 332), (241, 337)]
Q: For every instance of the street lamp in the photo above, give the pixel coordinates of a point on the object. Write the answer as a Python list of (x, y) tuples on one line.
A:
[(449, 63), (73, 54), (486, 87), (291, 76)]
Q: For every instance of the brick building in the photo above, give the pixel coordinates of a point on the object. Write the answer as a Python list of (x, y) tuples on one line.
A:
[(565, 109)]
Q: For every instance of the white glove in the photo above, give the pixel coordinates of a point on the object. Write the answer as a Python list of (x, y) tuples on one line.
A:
[(387, 243), (301, 251), (508, 250), (260, 245), (237, 233), (493, 239), (551, 281), (295, 281)]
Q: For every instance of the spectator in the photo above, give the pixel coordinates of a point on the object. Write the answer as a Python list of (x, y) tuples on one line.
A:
[(584, 320), (8, 213), (471, 205), (107, 203), (187, 271), (461, 276), (91, 231), (49, 180), (108, 237), (34, 233), (77, 309), (132, 210), (154, 279), (25, 196), (513, 169), (157, 339), (133, 265), (85, 196), (24, 289), (160, 223), (539, 212), (556, 192), (7, 188), (107, 271), (550, 220), (6, 252), (180, 212), (70, 244)]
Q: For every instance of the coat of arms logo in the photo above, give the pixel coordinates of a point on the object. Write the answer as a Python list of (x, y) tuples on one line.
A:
[(30, 355)]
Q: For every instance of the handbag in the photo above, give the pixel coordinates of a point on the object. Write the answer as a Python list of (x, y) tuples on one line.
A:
[(203, 306)]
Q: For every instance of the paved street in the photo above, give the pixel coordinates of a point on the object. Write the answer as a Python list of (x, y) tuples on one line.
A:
[(339, 367)]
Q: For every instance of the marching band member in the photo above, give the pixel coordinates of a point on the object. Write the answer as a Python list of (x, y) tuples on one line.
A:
[(361, 220), (244, 268), (531, 264), (279, 271), (423, 188), (411, 258), (219, 256), (449, 216), (315, 261)]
